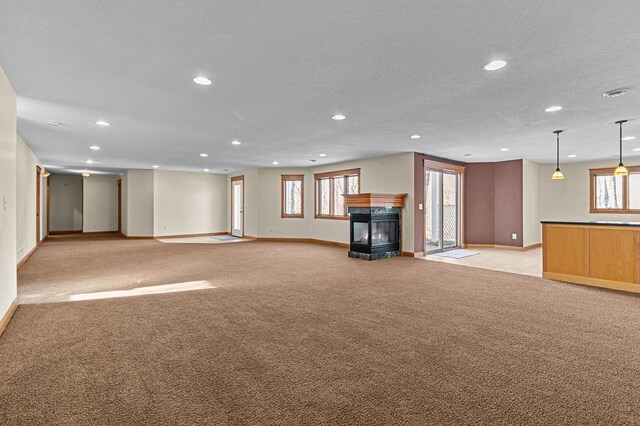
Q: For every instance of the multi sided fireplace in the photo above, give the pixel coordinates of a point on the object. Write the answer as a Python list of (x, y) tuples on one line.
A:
[(375, 221)]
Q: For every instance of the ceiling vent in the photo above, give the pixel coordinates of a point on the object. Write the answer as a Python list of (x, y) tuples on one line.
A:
[(615, 93)]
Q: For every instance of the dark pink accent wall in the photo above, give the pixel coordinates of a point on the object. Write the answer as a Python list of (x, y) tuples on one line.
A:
[(479, 203), (493, 203), (508, 203)]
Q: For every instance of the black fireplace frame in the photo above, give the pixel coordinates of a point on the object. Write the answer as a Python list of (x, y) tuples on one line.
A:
[(371, 250), (370, 219)]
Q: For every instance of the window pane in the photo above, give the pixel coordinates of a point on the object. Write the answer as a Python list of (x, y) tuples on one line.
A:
[(338, 198), (361, 232), (608, 192), (383, 232), (323, 197), (634, 191), (293, 197), (352, 185), (237, 215)]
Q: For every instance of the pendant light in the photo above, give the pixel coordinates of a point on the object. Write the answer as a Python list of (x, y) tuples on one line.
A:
[(557, 175), (621, 170)]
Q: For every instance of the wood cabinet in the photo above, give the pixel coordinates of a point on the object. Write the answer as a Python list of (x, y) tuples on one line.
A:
[(592, 253)]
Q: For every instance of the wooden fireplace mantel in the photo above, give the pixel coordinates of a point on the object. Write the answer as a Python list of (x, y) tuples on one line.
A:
[(371, 199)]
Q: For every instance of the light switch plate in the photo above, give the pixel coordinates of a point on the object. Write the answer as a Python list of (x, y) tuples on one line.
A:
[(514, 236), (420, 206)]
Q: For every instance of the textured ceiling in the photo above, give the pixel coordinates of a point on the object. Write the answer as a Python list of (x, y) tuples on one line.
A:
[(281, 69)]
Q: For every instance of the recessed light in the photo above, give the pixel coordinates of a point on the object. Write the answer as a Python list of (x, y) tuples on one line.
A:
[(236, 143), (415, 136), (103, 123), (553, 108), (225, 170), (203, 81), (86, 174), (572, 155), (94, 148), (615, 93), (90, 161), (636, 149), (322, 155), (54, 123), (155, 167), (495, 65), (313, 160), (467, 155), (628, 138), (339, 117), (275, 163), (206, 170), (504, 149), (204, 155)]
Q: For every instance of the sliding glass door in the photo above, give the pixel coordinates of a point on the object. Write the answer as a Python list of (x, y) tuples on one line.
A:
[(441, 210)]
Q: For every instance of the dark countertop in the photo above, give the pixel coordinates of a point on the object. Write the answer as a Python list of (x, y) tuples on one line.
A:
[(591, 223)]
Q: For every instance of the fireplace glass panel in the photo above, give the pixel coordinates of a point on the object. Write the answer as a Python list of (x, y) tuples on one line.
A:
[(361, 232), (383, 232)]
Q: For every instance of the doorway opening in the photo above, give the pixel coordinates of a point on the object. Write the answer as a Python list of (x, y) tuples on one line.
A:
[(38, 186), (237, 206), (442, 210)]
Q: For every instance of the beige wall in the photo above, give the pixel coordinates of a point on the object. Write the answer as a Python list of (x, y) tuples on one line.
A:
[(139, 202), (270, 224), (531, 228), (100, 204), (568, 199), (8, 134), (26, 162), (390, 174), (65, 202), (189, 203)]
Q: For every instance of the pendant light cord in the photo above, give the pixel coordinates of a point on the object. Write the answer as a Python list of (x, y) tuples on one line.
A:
[(621, 142), (557, 132), (557, 150)]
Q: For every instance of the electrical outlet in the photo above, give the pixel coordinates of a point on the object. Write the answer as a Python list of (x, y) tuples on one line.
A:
[(4, 202), (420, 206), (514, 236)]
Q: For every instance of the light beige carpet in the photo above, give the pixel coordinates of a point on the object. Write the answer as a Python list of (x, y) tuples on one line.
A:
[(294, 333)]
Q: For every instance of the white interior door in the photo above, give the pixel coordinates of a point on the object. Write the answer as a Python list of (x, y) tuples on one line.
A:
[(237, 208)]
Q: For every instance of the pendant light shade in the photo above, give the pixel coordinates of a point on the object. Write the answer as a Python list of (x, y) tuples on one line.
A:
[(557, 175), (621, 170)]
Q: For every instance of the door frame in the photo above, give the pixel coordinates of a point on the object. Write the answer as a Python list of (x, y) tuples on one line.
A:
[(445, 168), (48, 205), (235, 179), (38, 204), (120, 205)]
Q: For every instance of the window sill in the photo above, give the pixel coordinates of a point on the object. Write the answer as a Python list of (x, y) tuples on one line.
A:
[(614, 211), (332, 217), (292, 216)]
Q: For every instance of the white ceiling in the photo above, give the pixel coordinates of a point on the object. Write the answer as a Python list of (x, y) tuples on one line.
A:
[(281, 69)]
